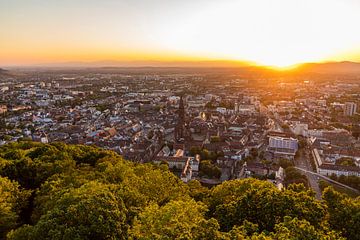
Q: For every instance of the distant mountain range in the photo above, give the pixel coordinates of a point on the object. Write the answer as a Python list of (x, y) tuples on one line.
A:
[(142, 64), (3, 72), (331, 68), (345, 67)]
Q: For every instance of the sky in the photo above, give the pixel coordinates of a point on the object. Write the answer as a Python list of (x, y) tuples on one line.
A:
[(265, 32)]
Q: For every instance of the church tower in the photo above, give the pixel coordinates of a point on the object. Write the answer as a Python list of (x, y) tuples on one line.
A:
[(181, 130)]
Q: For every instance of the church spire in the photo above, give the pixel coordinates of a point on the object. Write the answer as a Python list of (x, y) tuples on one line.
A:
[(180, 126)]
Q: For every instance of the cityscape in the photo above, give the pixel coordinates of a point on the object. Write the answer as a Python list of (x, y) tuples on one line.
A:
[(176, 118), (178, 148)]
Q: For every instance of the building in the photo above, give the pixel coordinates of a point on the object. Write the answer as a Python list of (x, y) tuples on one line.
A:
[(181, 132), (177, 160), (327, 169), (349, 108), (300, 129), (236, 107), (283, 147), (221, 110), (338, 170), (3, 109)]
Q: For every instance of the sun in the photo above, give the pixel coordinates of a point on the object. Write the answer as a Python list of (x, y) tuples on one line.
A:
[(293, 32), (282, 61)]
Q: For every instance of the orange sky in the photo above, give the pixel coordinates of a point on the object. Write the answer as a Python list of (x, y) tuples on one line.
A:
[(267, 32)]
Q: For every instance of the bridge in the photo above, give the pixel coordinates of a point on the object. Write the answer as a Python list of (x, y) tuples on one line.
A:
[(328, 179)]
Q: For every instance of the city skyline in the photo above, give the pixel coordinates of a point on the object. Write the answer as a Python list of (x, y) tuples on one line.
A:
[(273, 33)]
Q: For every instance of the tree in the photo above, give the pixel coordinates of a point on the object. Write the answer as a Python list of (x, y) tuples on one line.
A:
[(292, 175), (195, 150), (352, 181), (285, 163), (261, 203), (89, 212), (340, 208), (12, 200), (197, 191), (182, 219), (346, 161), (302, 143), (209, 170), (82, 192), (301, 230)]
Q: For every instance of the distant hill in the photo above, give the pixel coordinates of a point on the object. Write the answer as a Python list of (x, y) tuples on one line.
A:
[(220, 66), (147, 64), (3, 72), (331, 68)]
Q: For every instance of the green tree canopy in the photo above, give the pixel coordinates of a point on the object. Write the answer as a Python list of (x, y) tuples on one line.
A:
[(182, 219), (60, 191), (12, 200)]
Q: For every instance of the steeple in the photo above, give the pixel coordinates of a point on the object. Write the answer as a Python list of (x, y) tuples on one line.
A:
[(180, 126), (181, 112)]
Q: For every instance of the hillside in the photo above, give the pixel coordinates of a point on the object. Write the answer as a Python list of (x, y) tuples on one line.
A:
[(59, 191), (5, 73), (2, 71), (331, 68)]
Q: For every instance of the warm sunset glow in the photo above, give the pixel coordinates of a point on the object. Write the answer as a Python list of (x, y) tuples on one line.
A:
[(277, 33)]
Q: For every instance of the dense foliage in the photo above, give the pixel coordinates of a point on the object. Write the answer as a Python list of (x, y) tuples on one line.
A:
[(59, 191), (352, 181)]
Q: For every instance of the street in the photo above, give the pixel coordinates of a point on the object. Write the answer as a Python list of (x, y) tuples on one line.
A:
[(302, 161)]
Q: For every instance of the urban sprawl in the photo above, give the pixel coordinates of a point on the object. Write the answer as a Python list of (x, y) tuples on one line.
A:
[(207, 126)]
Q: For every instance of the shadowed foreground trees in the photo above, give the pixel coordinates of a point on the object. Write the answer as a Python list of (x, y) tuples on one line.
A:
[(59, 191)]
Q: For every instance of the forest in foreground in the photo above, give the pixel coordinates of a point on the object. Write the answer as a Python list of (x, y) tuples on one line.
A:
[(59, 191)]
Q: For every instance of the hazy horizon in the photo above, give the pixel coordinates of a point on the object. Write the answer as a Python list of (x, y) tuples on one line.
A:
[(276, 33)]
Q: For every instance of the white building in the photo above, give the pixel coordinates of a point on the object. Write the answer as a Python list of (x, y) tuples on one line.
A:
[(236, 107), (338, 170), (300, 129), (349, 108), (283, 147), (330, 169)]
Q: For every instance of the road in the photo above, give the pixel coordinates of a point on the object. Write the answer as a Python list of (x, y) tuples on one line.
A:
[(302, 162)]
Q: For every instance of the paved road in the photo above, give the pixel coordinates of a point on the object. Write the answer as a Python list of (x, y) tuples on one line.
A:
[(302, 162)]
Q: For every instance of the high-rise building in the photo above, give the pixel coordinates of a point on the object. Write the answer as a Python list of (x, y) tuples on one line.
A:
[(236, 107), (349, 108)]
